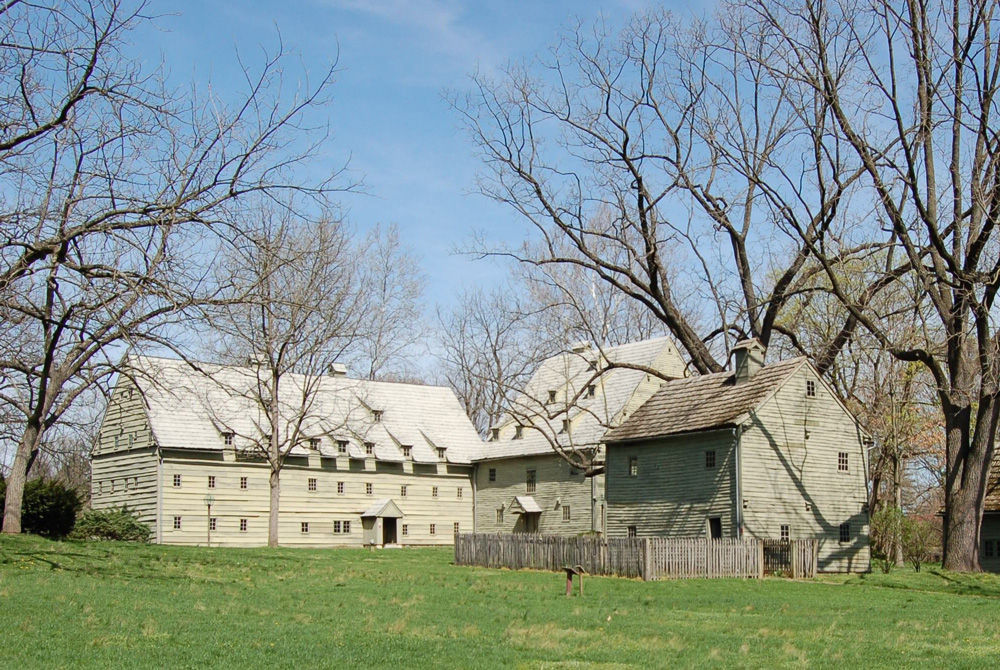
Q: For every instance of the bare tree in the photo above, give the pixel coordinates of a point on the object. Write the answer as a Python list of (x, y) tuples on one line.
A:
[(114, 184), (922, 128), (309, 306)]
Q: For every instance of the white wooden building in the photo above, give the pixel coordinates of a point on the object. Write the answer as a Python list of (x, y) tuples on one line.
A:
[(379, 463), (572, 398)]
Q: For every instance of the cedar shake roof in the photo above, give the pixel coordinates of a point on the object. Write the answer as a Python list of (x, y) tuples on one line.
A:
[(703, 403), (992, 502)]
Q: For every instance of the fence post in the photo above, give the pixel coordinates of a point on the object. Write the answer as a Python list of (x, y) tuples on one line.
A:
[(760, 559)]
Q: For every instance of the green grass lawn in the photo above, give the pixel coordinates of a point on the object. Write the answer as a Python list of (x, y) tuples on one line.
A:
[(70, 604)]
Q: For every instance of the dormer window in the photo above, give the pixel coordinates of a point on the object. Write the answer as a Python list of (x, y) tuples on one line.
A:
[(565, 426), (406, 451), (377, 415), (552, 396), (518, 432), (592, 365), (494, 434), (369, 448), (441, 453), (591, 391), (341, 446), (227, 439), (314, 443)]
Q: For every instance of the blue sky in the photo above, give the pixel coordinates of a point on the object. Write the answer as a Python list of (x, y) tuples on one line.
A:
[(388, 113)]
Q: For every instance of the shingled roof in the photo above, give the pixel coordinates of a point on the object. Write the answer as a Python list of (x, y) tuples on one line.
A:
[(992, 503), (703, 403)]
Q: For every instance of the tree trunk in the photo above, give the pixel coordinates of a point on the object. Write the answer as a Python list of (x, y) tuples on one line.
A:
[(272, 517), (897, 497), (964, 485), (16, 479)]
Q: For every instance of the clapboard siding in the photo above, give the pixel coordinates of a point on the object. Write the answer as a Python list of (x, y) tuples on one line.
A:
[(125, 425), (320, 508), (789, 451), (126, 478), (673, 494), (555, 481)]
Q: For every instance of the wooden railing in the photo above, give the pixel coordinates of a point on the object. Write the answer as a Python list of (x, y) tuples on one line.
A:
[(644, 557)]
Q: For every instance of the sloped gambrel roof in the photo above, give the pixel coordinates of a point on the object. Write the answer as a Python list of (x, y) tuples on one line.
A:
[(190, 409), (568, 373), (703, 403), (992, 502)]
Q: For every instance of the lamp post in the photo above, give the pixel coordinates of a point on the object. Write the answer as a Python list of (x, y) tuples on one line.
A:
[(209, 499)]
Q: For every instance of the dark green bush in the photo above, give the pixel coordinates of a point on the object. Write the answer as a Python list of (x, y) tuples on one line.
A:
[(49, 508), (115, 523)]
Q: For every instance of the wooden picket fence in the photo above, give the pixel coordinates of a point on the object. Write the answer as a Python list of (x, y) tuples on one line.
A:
[(643, 557)]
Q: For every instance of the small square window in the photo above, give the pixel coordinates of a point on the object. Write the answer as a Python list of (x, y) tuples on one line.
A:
[(455, 530), (433, 528), (369, 448), (177, 480), (211, 523), (336, 527), (312, 484), (458, 492), (633, 466), (347, 527), (434, 492), (845, 532), (211, 481), (785, 532), (407, 451), (305, 526), (177, 523), (341, 446), (340, 488), (227, 439), (406, 530), (810, 388), (493, 474), (710, 459), (631, 530), (402, 491), (368, 488), (243, 525), (243, 482), (566, 513), (842, 461), (518, 432), (530, 481), (499, 514)]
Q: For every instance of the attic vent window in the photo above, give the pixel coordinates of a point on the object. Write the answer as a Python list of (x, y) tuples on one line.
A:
[(810, 388), (377, 415), (552, 396), (227, 439), (406, 451), (369, 448), (518, 432), (591, 391), (341, 446), (494, 434)]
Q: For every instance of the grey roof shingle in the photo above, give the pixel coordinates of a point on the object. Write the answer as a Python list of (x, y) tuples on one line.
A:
[(702, 403), (568, 373), (189, 409)]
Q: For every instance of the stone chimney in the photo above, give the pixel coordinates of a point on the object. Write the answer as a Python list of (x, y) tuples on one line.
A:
[(748, 359)]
